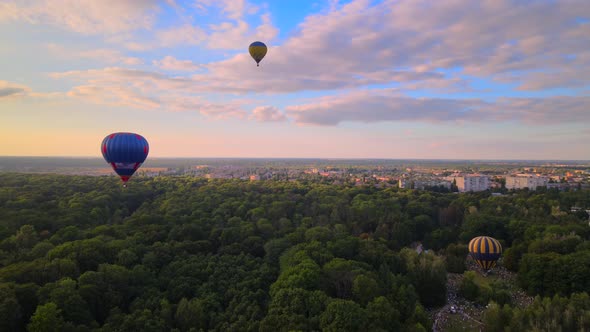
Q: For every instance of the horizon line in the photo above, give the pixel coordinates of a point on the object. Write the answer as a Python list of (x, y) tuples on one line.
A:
[(320, 158)]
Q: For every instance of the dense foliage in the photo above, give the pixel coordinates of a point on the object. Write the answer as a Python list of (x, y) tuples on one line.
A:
[(82, 253)]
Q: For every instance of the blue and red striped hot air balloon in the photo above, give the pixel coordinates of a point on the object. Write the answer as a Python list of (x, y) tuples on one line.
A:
[(125, 152), (485, 251)]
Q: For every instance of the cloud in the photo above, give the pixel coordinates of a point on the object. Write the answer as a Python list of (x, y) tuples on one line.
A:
[(366, 106), (371, 106), (114, 96), (11, 90), (113, 74), (83, 16), (267, 114), (123, 96), (228, 35), (239, 35), (234, 9), (550, 110), (171, 63), (103, 55), (146, 90), (385, 105), (413, 45), (186, 34), (537, 45), (118, 20), (233, 33)]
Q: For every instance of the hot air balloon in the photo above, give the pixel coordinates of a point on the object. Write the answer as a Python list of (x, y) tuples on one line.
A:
[(485, 251), (125, 152), (257, 51)]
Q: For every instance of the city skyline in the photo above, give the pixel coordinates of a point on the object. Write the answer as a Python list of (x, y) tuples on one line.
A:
[(496, 80)]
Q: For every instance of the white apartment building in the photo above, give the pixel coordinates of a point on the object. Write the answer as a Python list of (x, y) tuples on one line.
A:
[(472, 182), (521, 181)]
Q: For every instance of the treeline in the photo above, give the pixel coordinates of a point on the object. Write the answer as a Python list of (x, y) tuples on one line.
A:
[(189, 254)]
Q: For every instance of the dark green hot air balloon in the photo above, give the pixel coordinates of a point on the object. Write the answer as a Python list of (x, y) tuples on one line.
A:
[(257, 51)]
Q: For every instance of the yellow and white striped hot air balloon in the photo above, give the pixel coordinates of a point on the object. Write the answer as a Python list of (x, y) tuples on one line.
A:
[(257, 51), (485, 251)]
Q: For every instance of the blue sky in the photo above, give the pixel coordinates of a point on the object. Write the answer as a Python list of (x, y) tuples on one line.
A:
[(359, 78)]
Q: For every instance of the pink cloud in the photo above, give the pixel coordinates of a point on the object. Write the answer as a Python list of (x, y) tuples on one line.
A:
[(185, 34), (268, 114), (83, 16), (366, 106), (236, 36), (359, 43), (146, 90), (229, 34), (171, 63), (379, 106), (100, 54), (129, 97), (113, 96)]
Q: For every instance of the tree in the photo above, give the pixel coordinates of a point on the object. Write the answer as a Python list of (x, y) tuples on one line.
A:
[(65, 295), (142, 320), (428, 275), (10, 310), (468, 288), (455, 258), (496, 318), (364, 289), (187, 254), (126, 258), (191, 314), (295, 309), (47, 318), (339, 275), (26, 237), (343, 315), (381, 315)]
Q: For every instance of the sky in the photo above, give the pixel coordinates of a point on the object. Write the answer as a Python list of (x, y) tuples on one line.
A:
[(452, 79)]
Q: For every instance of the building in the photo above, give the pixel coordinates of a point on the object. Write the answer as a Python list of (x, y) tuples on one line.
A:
[(423, 183), (521, 181), (404, 183), (559, 186), (472, 182), (432, 183)]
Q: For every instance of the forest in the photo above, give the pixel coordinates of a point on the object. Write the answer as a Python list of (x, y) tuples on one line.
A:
[(82, 253)]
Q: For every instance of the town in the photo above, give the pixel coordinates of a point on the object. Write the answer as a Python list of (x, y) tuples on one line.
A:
[(440, 176), (434, 175)]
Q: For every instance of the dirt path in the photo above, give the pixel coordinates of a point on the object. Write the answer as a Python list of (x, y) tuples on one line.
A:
[(441, 316)]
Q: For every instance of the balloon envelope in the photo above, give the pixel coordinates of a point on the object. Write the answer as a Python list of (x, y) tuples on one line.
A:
[(125, 152), (257, 51), (485, 251)]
